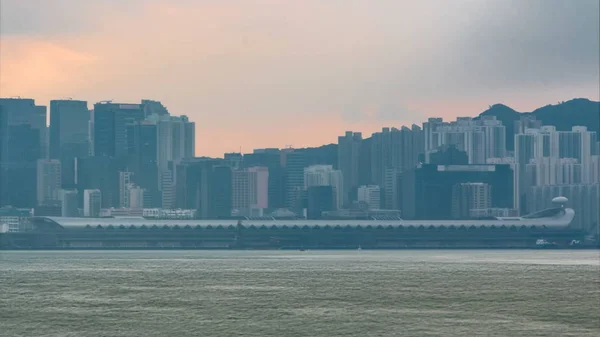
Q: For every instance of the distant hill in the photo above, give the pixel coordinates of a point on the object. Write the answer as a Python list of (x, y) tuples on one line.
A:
[(565, 115)]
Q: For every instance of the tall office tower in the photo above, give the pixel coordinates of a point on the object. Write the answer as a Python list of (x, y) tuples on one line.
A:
[(69, 203), (142, 158), (150, 107), (175, 139), (204, 184), (125, 182), (325, 175), (100, 173), (92, 202), (470, 196), (23, 141), (250, 191), (427, 191), (370, 195), (69, 135), (220, 192), (110, 127), (349, 147), (294, 176), (48, 181), (319, 199)]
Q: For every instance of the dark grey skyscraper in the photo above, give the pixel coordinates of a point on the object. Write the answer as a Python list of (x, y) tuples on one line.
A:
[(143, 156), (110, 123), (23, 141), (349, 147), (69, 135), (295, 162)]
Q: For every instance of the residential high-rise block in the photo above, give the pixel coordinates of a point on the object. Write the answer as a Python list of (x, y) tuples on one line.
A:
[(48, 181), (250, 190)]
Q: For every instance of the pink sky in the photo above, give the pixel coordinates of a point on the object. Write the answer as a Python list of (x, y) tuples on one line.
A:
[(270, 73)]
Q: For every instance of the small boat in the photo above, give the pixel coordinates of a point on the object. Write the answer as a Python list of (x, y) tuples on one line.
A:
[(359, 248)]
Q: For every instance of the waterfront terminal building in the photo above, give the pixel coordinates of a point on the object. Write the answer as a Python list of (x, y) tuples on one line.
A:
[(550, 225)]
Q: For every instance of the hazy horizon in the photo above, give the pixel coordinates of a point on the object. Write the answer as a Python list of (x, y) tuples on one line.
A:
[(264, 73)]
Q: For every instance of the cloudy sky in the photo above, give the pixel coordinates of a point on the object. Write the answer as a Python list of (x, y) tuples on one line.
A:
[(271, 73)]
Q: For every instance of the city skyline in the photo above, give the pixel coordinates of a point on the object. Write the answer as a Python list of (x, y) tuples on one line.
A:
[(241, 68)]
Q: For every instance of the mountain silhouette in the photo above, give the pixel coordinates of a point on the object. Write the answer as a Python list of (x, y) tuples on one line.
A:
[(564, 115)]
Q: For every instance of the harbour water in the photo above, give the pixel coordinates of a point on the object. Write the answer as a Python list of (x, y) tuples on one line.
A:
[(293, 293)]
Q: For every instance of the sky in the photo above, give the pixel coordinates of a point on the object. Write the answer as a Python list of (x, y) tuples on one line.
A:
[(270, 73)]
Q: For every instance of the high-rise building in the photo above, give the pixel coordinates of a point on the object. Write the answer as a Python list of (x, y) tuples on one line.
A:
[(427, 191), (394, 149), (325, 175), (481, 139), (319, 199), (142, 158), (167, 188), (136, 197), (69, 203), (205, 185), (391, 193), (370, 195), (470, 196), (294, 176), (92, 201), (220, 192), (349, 147), (110, 127), (100, 173), (69, 135), (23, 140), (125, 183), (250, 190), (48, 181), (271, 159)]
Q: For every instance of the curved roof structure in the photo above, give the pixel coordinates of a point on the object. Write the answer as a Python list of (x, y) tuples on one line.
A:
[(551, 218)]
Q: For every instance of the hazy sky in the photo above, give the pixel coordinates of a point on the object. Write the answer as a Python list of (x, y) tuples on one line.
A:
[(270, 73)]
